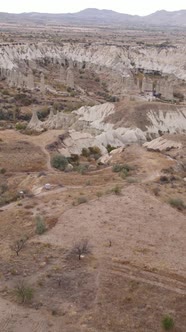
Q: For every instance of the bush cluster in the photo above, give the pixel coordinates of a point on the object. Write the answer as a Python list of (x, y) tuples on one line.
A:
[(60, 162)]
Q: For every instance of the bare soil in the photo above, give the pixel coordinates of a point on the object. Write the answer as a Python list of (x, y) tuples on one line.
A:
[(135, 274)]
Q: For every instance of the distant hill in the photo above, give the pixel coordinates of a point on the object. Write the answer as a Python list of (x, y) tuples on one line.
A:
[(93, 16), (163, 17)]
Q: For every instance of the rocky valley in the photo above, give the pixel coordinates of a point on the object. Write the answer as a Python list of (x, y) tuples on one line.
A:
[(92, 175)]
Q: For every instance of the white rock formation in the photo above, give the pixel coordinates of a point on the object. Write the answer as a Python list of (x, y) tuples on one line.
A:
[(59, 120), (166, 121), (162, 144), (96, 115), (77, 141), (169, 60), (89, 126), (35, 123), (107, 158)]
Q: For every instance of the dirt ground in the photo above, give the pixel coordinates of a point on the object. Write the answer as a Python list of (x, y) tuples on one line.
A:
[(135, 273)]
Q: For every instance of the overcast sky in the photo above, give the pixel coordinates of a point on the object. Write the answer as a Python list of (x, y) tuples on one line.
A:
[(140, 7)]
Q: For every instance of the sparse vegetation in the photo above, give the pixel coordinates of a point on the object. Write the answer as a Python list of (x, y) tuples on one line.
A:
[(81, 248), (81, 200), (2, 170), (85, 152), (23, 293), (99, 194), (121, 168), (67, 286), (7, 197), (168, 323), (82, 168), (18, 245), (110, 148), (40, 225), (132, 180), (116, 190), (60, 162), (177, 203), (92, 151), (20, 126), (164, 179)]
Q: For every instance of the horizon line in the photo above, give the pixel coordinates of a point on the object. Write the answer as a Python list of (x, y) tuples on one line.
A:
[(91, 8)]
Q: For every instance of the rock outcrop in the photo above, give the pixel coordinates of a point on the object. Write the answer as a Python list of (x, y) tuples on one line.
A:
[(90, 126), (35, 123), (123, 62), (169, 121), (162, 144)]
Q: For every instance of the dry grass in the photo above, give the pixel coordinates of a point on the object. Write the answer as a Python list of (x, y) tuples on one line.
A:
[(21, 156)]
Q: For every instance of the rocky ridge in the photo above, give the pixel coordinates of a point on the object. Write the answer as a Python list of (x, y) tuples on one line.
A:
[(167, 60), (89, 126)]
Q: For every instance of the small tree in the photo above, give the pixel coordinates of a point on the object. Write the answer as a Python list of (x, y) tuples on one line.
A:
[(81, 248), (18, 245)]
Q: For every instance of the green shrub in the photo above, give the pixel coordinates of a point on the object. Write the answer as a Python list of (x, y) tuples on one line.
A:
[(95, 150), (81, 200), (110, 148), (20, 126), (117, 168), (85, 152), (73, 159), (116, 190), (168, 323), (43, 113), (177, 203), (40, 225), (24, 293), (2, 170), (82, 169), (123, 169), (124, 173), (60, 162)]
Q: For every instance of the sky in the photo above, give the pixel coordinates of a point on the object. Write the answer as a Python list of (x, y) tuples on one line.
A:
[(134, 7)]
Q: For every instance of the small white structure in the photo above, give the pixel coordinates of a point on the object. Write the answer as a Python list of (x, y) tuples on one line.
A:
[(21, 194), (47, 186)]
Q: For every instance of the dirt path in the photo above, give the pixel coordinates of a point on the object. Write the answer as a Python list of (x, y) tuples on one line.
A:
[(154, 279)]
